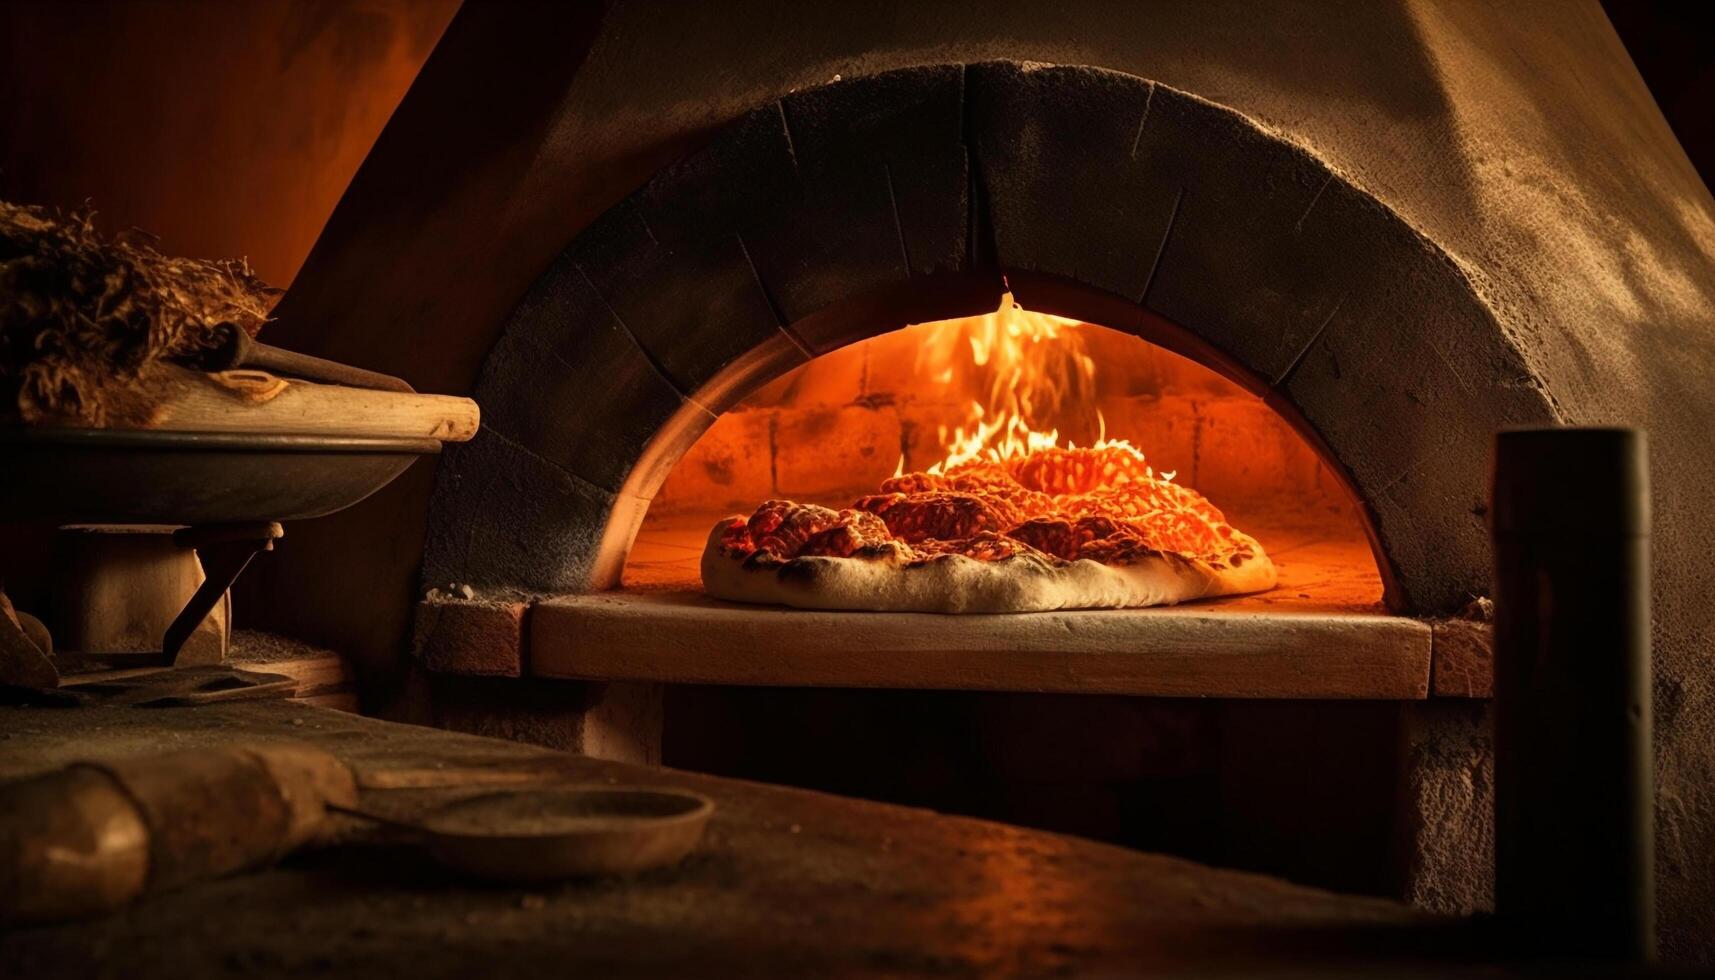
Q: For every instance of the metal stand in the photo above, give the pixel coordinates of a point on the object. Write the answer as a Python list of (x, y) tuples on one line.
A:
[(1574, 817), (225, 551)]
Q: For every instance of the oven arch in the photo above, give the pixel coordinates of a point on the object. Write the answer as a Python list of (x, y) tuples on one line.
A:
[(849, 210)]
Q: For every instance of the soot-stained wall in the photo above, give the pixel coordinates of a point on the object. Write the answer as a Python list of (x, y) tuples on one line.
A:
[(1521, 144)]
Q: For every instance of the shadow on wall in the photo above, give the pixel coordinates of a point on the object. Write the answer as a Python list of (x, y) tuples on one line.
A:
[(228, 129)]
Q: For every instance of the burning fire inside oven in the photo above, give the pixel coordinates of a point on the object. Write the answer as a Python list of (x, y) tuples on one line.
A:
[(1035, 374), (1011, 439)]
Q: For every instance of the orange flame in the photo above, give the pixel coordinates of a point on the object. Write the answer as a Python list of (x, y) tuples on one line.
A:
[(1033, 372)]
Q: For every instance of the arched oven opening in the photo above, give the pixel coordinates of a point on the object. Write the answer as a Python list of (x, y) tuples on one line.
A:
[(1001, 387)]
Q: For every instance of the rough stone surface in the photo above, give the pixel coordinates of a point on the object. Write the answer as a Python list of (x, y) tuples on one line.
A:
[(537, 390), (503, 518), (1060, 189), (471, 636), (1463, 664), (785, 883), (880, 194), (550, 715), (1408, 379), (1242, 259), (674, 265), (1448, 804), (831, 450)]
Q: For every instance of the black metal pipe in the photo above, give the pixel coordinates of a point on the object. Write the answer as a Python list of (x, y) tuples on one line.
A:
[(1574, 799)]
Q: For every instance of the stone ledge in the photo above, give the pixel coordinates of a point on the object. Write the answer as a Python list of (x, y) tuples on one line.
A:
[(1179, 651), (1462, 661), (471, 636)]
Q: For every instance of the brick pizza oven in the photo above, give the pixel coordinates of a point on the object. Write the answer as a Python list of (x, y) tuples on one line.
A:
[(670, 255)]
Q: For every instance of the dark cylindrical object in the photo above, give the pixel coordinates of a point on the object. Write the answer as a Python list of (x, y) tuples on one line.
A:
[(1574, 798)]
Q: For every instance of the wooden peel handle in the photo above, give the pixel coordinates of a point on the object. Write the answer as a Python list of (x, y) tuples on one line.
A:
[(251, 401)]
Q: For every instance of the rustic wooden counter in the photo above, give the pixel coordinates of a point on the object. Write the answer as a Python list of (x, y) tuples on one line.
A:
[(787, 883)]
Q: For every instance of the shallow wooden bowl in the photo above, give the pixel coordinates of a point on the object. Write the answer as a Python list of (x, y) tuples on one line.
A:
[(546, 835)]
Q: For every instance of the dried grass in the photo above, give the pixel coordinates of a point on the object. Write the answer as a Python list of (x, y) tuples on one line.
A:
[(83, 317)]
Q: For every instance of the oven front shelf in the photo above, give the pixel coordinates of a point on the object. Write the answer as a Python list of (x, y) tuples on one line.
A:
[(1217, 649)]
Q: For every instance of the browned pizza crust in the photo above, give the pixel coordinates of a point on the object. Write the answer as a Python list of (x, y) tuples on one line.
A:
[(892, 578), (1055, 529)]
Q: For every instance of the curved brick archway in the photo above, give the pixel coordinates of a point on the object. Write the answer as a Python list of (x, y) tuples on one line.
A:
[(851, 209)]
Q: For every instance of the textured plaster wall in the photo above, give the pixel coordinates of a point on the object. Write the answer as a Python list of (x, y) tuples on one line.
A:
[(1519, 139)]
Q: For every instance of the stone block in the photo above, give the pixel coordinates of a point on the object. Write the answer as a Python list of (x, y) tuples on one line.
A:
[(1095, 214), (1447, 808), (1244, 265), (1246, 452), (1163, 427), (920, 418), (1409, 382), (837, 378), (673, 261), (1463, 659), (505, 518), (567, 380), (880, 190), (470, 636), (891, 373)]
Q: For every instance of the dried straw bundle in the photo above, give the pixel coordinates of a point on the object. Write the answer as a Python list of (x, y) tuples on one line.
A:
[(83, 319)]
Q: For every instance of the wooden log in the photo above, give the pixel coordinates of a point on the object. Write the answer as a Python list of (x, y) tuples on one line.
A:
[(184, 400)]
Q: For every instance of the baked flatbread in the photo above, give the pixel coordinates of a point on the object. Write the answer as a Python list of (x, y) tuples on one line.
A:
[(1057, 529)]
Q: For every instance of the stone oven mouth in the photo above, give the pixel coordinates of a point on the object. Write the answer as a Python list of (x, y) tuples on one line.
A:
[(975, 434), (831, 428)]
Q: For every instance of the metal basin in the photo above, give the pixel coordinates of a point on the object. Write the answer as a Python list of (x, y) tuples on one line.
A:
[(116, 476)]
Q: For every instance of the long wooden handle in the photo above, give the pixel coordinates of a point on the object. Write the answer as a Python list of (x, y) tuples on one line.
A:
[(246, 400)]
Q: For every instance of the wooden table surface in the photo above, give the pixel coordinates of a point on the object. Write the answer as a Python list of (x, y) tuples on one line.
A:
[(787, 883)]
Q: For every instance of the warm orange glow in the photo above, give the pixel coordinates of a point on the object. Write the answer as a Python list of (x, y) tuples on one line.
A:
[(1005, 484), (1033, 371), (922, 403)]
